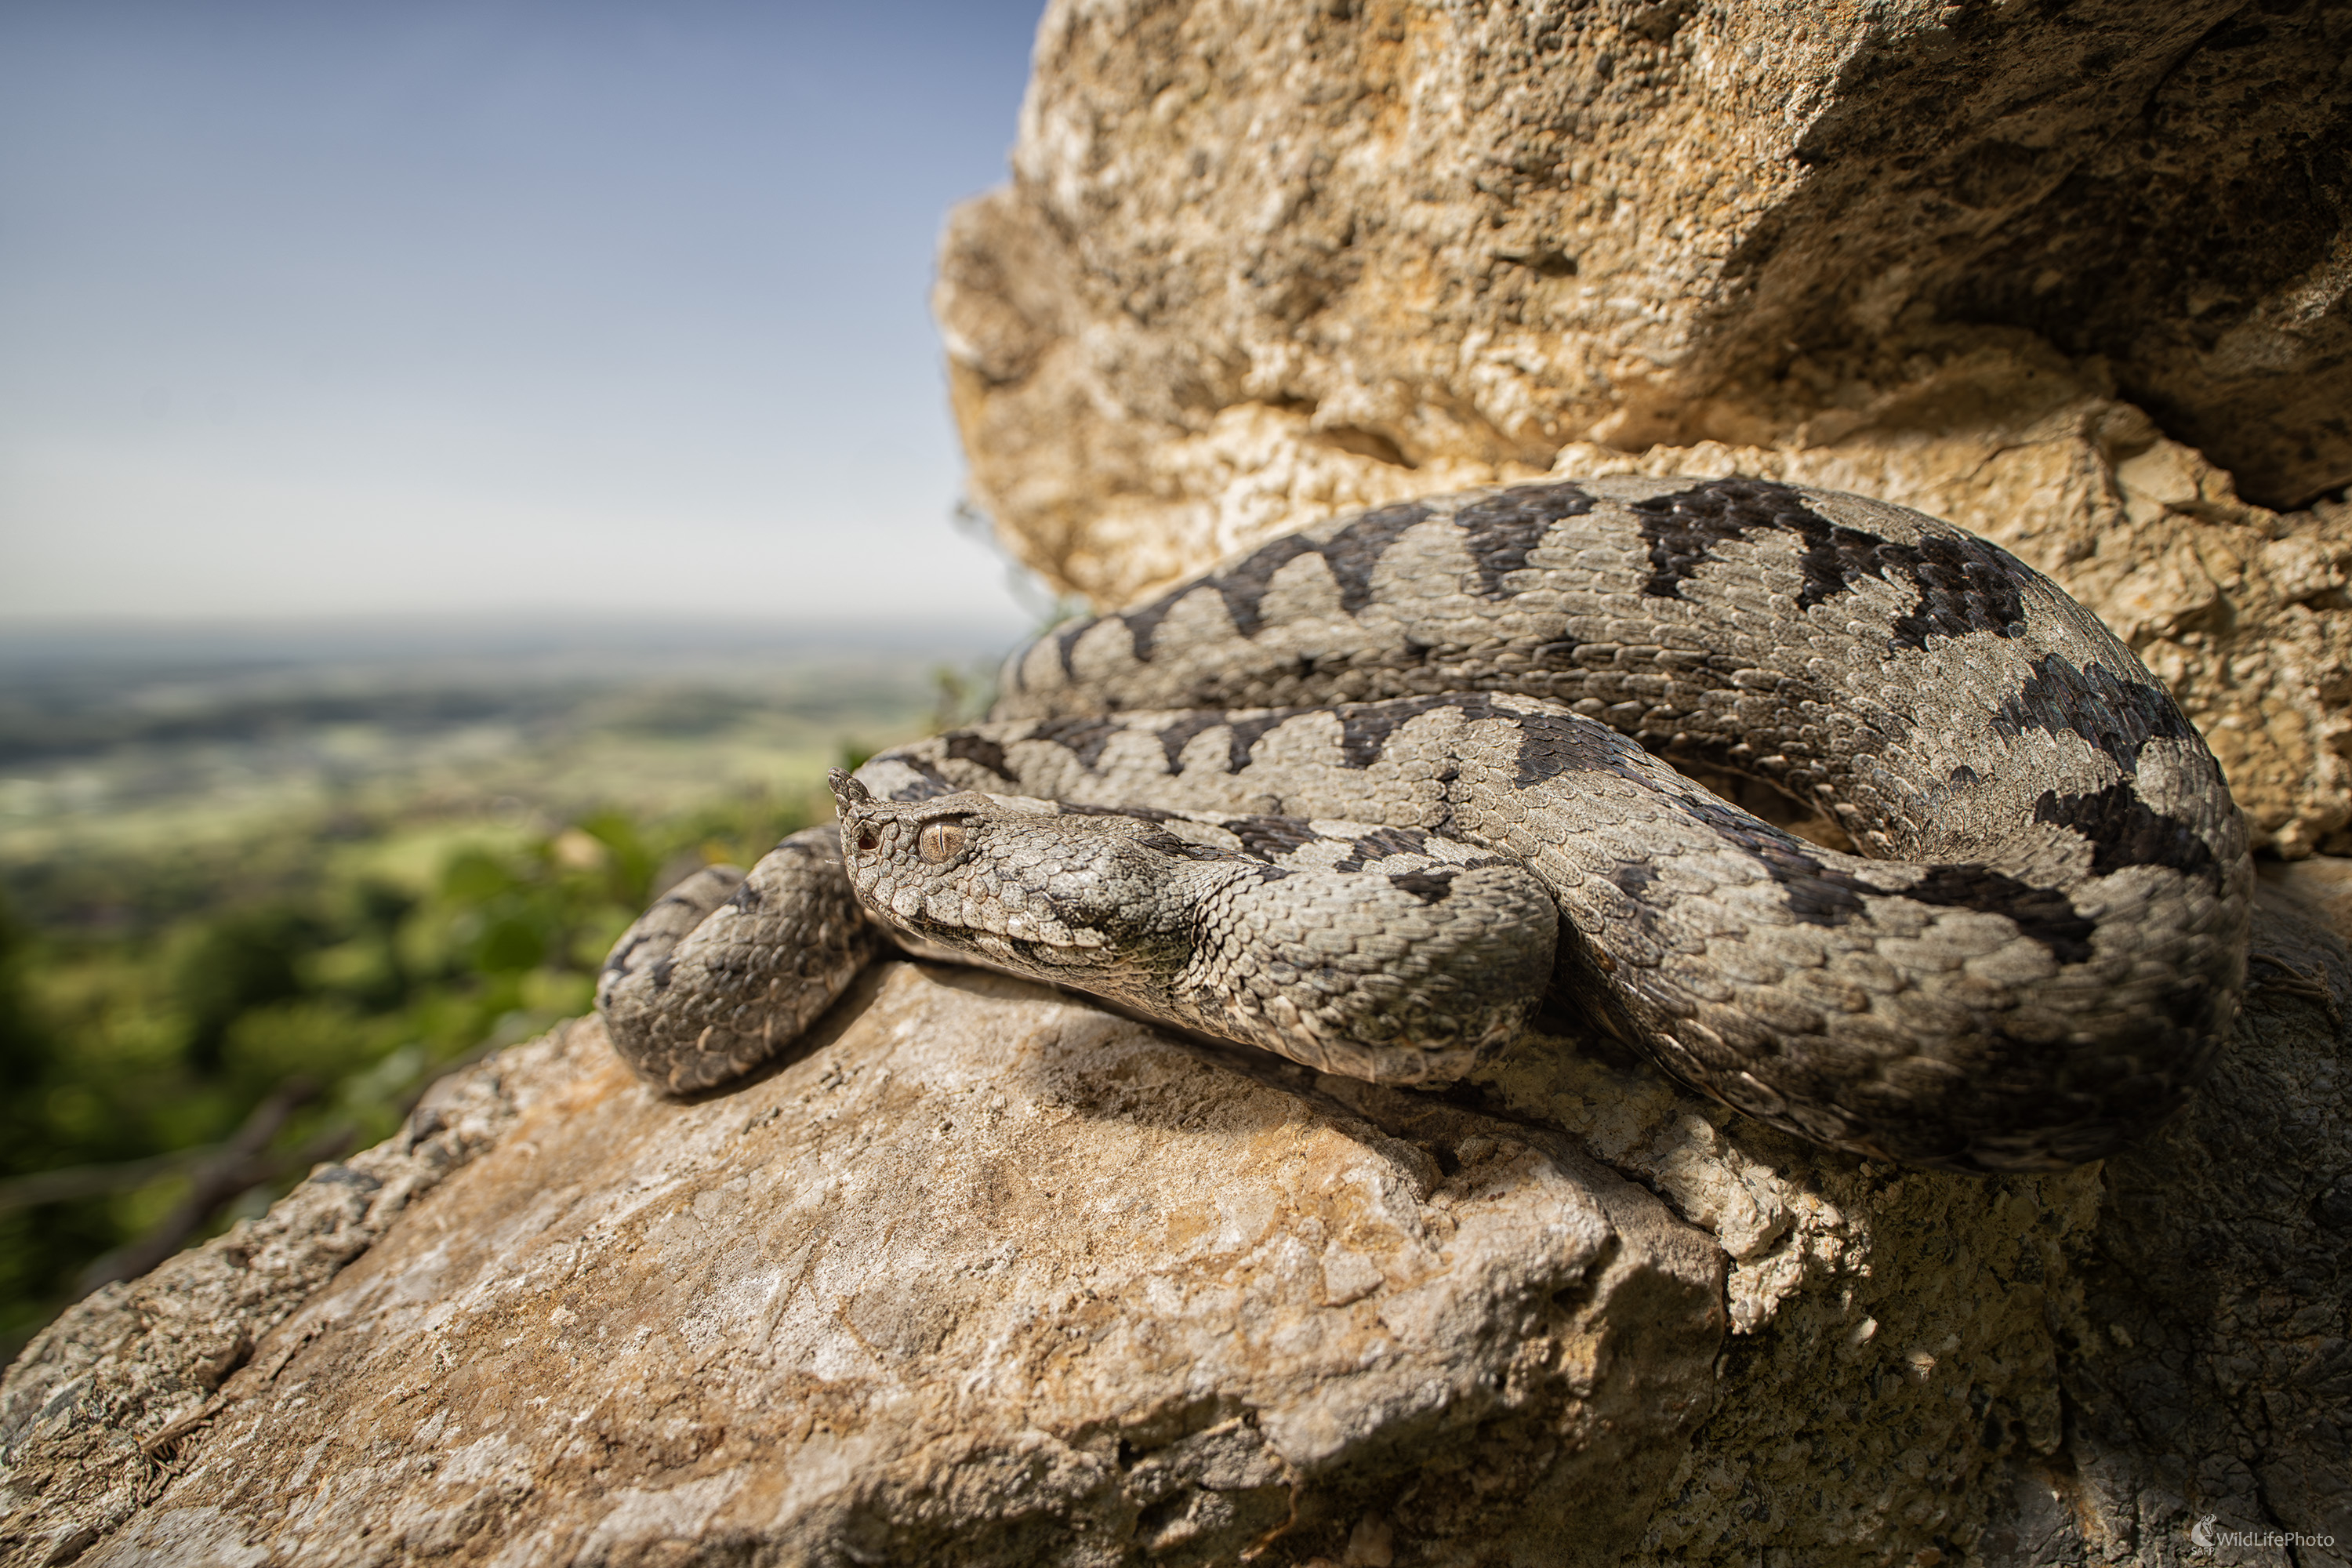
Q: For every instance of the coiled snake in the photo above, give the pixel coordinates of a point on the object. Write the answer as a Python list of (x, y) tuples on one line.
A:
[(1367, 795)]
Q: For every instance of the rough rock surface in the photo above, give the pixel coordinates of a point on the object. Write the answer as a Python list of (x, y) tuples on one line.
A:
[(98, 1402), (2210, 1364), (990, 1276), (2016, 265)]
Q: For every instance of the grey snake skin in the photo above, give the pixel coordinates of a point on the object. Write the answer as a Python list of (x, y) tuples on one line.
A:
[(1370, 795)]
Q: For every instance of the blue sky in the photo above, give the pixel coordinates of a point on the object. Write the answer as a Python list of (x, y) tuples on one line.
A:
[(329, 310)]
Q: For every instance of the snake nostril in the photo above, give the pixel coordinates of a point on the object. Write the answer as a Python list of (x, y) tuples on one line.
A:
[(866, 842)]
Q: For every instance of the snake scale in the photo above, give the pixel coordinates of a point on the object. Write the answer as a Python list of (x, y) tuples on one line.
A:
[(1371, 794)]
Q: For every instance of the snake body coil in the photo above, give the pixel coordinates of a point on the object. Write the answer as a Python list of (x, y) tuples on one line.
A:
[(1369, 794)]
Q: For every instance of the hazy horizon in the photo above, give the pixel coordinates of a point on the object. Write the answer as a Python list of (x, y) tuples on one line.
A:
[(490, 311), (423, 638)]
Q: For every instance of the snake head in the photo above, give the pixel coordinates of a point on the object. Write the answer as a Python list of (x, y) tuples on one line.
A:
[(1395, 976), (1021, 884)]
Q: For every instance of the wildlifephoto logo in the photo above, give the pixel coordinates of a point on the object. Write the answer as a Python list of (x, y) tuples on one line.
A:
[(2208, 1538)]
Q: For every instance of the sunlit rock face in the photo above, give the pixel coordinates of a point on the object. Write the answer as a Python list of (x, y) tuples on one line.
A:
[(2073, 277), (982, 1275)]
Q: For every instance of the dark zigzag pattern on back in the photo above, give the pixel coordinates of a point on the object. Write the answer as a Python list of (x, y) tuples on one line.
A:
[(2124, 830), (1247, 733), (1174, 737), (1268, 837), (2118, 717), (1964, 584), (979, 751), (1821, 895), (1503, 529), (930, 783), (1379, 844), (1430, 887), (1550, 745), (1365, 727), (1350, 553), (1084, 738)]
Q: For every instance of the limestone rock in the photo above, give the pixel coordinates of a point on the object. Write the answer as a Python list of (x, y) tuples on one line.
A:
[(1262, 263), (2321, 885), (2210, 1339), (987, 1277), (101, 1398)]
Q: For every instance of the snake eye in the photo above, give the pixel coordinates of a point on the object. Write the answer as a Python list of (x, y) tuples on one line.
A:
[(940, 840)]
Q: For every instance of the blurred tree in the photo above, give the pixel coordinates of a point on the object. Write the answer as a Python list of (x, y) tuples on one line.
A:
[(24, 1045), (193, 1060), (379, 909), (242, 959), (40, 1244)]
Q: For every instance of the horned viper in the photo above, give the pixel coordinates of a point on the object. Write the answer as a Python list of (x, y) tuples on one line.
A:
[(1368, 794)]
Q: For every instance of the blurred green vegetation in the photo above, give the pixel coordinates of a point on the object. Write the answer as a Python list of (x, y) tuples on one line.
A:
[(358, 960), (244, 924)]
